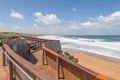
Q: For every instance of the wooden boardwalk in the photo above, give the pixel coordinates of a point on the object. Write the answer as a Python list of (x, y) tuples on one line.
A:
[(3, 70), (57, 66), (46, 68), (38, 55)]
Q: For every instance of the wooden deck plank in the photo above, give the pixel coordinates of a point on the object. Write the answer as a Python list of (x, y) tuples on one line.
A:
[(46, 68), (3, 70)]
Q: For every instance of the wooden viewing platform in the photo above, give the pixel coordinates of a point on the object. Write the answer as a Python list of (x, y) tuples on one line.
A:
[(44, 64)]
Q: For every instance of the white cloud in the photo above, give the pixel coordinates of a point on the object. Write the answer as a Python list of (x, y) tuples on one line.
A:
[(112, 20), (35, 25), (109, 24), (2, 27), (19, 28), (87, 24), (1, 24), (74, 26), (16, 15), (16, 27), (35, 28), (74, 9), (49, 19)]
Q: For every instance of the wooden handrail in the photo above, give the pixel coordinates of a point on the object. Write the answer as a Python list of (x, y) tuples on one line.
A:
[(11, 63), (40, 74), (102, 77), (96, 75), (51, 52)]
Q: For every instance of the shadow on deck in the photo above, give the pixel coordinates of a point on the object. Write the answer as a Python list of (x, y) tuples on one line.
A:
[(37, 59)]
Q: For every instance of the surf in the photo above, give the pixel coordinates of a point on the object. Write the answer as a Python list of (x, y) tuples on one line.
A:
[(99, 45)]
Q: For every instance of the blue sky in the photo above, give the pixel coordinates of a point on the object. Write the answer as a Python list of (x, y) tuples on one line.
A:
[(83, 17)]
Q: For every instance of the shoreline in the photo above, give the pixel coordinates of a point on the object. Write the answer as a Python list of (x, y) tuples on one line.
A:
[(101, 64), (102, 57)]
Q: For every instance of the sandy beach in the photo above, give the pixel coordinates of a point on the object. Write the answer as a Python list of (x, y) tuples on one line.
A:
[(101, 64)]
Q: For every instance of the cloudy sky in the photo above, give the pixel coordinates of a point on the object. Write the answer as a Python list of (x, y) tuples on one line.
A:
[(81, 17)]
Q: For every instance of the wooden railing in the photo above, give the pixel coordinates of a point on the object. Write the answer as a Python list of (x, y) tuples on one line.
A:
[(68, 70), (16, 74)]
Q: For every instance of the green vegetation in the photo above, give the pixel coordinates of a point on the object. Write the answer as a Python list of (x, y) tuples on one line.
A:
[(69, 56), (4, 36), (8, 34)]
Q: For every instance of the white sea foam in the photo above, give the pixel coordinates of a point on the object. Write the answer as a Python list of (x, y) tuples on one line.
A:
[(98, 46)]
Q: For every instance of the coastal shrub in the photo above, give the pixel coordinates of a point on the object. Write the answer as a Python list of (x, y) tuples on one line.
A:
[(75, 60), (69, 56), (66, 54)]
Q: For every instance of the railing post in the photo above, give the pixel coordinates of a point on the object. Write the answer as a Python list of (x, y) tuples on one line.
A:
[(57, 68), (11, 70), (43, 57), (3, 59), (0, 41)]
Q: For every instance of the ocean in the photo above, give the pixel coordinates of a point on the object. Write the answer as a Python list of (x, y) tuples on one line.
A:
[(106, 45)]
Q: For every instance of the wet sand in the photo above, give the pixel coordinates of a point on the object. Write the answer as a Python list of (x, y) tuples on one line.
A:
[(101, 64)]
